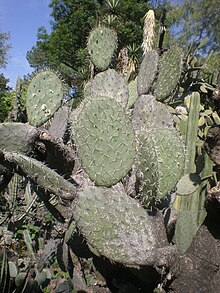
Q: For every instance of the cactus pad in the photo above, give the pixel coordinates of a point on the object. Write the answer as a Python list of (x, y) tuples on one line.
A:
[(102, 43), (149, 113), (186, 228), (188, 184), (147, 72), (161, 157), (133, 94), (109, 84), (170, 69), (118, 227), (17, 137), (105, 141), (44, 96), (42, 175)]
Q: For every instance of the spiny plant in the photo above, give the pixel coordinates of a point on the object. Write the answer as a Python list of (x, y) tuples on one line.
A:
[(110, 140)]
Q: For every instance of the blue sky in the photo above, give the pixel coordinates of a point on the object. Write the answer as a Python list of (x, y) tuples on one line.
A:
[(22, 18)]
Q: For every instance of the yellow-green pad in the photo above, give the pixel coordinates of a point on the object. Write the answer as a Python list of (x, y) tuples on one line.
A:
[(44, 96), (105, 141)]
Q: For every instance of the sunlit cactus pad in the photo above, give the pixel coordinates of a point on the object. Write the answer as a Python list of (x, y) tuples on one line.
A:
[(147, 72), (117, 226), (102, 43), (17, 137), (109, 84), (105, 140), (170, 69), (44, 96), (161, 158)]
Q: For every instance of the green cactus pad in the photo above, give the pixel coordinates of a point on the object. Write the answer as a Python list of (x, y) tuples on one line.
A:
[(17, 137), (101, 45), (42, 175), (161, 158), (186, 228), (170, 69), (148, 113), (147, 72), (133, 94), (109, 84), (44, 96), (118, 227), (105, 141), (188, 184)]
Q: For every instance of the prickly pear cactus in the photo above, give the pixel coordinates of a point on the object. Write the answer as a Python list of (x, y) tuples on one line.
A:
[(116, 226), (133, 94), (102, 43), (148, 113), (44, 96), (170, 69), (105, 141), (161, 158), (147, 72), (109, 84), (17, 137), (42, 175)]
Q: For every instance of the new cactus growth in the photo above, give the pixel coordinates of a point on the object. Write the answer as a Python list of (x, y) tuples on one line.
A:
[(44, 97)]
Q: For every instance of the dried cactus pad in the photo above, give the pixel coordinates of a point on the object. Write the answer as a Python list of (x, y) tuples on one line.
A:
[(44, 96), (17, 137), (109, 84), (147, 72), (161, 157), (118, 227), (170, 69), (105, 141), (101, 45)]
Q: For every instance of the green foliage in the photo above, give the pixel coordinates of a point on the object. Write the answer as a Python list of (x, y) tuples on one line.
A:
[(6, 98), (197, 19), (3, 48)]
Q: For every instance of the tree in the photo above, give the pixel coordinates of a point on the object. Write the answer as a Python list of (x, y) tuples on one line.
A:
[(6, 98), (65, 48), (195, 20), (3, 49)]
